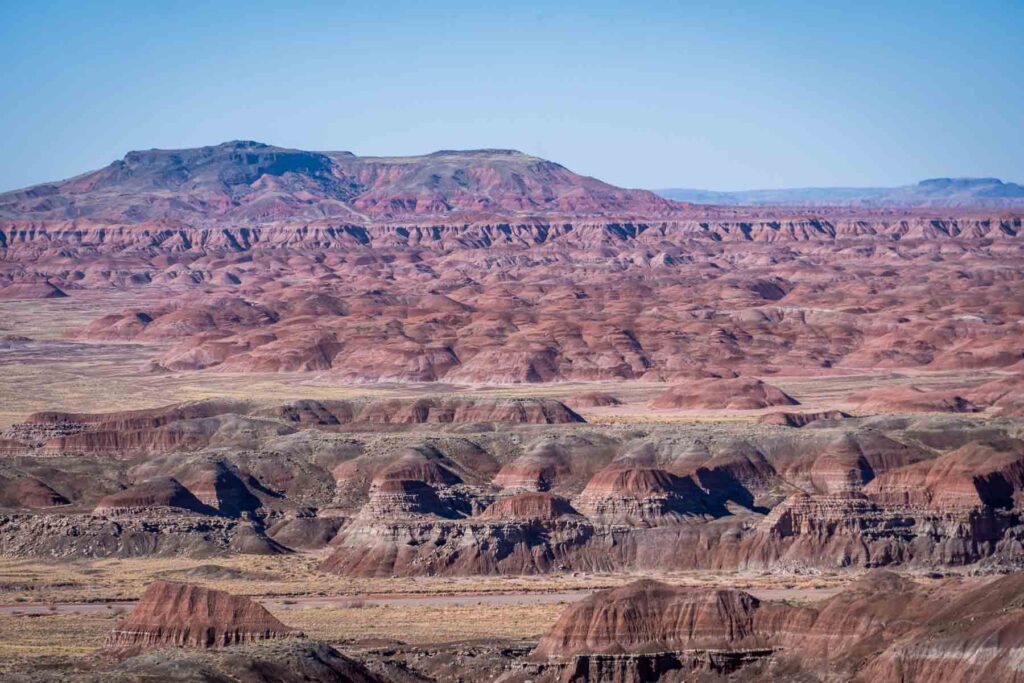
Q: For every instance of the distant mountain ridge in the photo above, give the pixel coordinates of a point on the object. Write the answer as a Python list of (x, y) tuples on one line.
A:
[(245, 183), (931, 193)]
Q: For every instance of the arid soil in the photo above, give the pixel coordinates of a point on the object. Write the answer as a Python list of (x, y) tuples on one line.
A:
[(438, 413)]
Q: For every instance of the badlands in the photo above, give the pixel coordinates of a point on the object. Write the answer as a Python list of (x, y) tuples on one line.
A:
[(277, 415)]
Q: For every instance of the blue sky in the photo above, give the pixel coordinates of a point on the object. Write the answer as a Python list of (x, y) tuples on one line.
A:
[(718, 95)]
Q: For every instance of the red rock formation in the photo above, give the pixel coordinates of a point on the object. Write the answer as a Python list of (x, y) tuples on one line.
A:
[(1004, 396), (639, 496), (970, 635), (788, 419), (538, 470), (650, 617), (218, 487), (28, 492), (853, 460), (183, 615), (155, 495), (968, 477), (401, 498), (29, 291), (247, 183), (718, 394), (909, 400), (838, 309), (541, 506), (882, 628), (593, 399), (413, 465), (851, 529)]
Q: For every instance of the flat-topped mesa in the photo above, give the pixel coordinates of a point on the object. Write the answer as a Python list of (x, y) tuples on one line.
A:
[(740, 393), (639, 496), (852, 529), (159, 495), (652, 617), (528, 506), (431, 409), (173, 614), (972, 476), (252, 185), (147, 418)]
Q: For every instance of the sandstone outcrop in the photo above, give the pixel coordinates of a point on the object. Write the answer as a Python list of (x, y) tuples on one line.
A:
[(194, 426)]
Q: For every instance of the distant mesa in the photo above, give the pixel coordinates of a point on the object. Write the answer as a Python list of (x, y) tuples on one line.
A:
[(934, 192), (251, 183)]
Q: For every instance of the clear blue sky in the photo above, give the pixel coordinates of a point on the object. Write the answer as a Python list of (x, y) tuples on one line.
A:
[(718, 95)]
